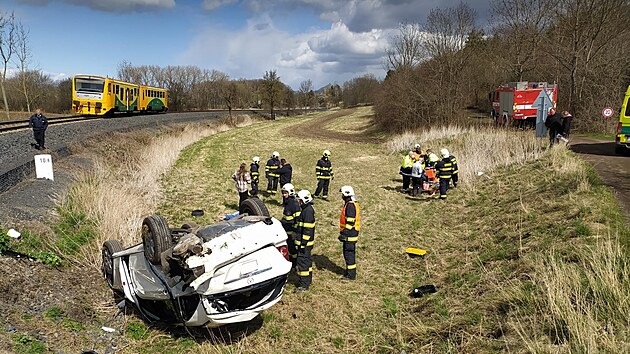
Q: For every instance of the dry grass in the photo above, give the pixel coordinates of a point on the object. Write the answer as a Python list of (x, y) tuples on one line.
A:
[(479, 150), (491, 246), (123, 185)]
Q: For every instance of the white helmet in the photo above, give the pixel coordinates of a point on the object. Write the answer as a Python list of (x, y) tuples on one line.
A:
[(433, 157), (326, 153), (417, 146), (256, 159), (305, 196), (347, 191), (288, 187), (275, 154), (444, 153)]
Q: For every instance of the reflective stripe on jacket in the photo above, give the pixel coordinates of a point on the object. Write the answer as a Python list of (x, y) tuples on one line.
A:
[(253, 168), (305, 234), (323, 169), (271, 167), (350, 221)]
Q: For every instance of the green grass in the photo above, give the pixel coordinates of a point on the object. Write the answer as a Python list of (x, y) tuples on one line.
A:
[(25, 344), (480, 243)]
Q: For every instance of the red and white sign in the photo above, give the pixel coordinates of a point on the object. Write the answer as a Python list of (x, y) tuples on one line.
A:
[(607, 112)]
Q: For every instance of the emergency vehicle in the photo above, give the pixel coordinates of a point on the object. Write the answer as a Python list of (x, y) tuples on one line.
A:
[(622, 139), (512, 102)]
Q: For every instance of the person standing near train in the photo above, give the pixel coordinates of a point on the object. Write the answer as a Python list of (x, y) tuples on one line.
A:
[(38, 122)]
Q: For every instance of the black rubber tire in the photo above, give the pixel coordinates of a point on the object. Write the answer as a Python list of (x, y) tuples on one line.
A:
[(109, 248), (253, 206), (156, 237)]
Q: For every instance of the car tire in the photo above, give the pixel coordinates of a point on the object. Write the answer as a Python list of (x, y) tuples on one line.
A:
[(253, 206), (109, 248), (156, 237)]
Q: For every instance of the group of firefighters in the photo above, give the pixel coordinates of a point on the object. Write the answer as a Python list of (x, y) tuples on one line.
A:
[(424, 171), (298, 215)]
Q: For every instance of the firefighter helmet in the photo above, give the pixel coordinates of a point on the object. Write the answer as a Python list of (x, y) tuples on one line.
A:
[(305, 196), (444, 153), (288, 187), (275, 154), (347, 191), (433, 157), (417, 146), (256, 159), (326, 153)]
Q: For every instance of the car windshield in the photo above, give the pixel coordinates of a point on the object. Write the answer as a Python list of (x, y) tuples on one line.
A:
[(89, 85)]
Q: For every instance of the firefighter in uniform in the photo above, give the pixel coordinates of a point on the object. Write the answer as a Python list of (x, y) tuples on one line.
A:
[(405, 170), (304, 240), (290, 214), (349, 227), (254, 172), (271, 168), (444, 169), (324, 173)]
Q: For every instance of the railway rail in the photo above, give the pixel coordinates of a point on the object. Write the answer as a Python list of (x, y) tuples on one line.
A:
[(11, 125)]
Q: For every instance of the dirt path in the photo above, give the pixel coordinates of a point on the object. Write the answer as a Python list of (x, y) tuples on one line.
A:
[(613, 169), (317, 128)]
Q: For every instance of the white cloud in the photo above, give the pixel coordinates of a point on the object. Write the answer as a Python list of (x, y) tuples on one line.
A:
[(324, 56), (118, 6), (210, 5)]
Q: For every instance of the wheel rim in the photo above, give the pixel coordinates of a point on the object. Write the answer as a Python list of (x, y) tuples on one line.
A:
[(148, 239)]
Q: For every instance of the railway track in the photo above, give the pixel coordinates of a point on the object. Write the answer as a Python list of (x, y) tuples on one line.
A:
[(12, 125)]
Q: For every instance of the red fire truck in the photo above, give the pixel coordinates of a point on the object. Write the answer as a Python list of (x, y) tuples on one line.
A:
[(512, 102)]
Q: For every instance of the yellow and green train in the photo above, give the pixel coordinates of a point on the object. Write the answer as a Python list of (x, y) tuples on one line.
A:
[(97, 95)]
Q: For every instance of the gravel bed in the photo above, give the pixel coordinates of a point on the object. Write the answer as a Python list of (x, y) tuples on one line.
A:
[(16, 159)]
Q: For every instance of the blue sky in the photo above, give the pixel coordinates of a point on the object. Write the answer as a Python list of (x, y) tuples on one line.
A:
[(322, 40)]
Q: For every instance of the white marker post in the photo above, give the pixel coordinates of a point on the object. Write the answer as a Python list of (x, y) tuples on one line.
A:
[(44, 167)]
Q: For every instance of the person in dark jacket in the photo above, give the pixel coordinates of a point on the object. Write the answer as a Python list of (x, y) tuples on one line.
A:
[(554, 124), (304, 240), (290, 213), (271, 172), (567, 118), (39, 123), (285, 171), (324, 173), (254, 168), (444, 169), (349, 227)]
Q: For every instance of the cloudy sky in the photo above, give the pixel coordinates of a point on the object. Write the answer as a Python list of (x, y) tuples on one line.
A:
[(322, 40)]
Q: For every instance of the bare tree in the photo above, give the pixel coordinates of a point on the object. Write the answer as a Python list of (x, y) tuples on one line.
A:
[(271, 89), (406, 50), (8, 41), (306, 88), (586, 43), (522, 24), (24, 55)]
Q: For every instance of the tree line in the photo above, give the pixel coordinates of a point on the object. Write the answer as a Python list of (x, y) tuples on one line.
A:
[(438, 68)]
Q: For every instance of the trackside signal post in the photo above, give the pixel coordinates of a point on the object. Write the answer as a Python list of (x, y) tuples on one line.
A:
[(543, 104)]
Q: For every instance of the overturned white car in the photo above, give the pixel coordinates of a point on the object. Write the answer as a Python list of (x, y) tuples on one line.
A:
[(214, 275)]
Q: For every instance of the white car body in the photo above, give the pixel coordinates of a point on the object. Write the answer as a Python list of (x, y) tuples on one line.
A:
[(242, 271)]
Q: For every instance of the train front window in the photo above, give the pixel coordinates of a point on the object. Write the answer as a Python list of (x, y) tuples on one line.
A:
[(89, 85)]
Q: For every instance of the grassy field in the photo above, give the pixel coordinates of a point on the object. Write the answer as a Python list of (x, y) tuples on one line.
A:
[(528, 256)]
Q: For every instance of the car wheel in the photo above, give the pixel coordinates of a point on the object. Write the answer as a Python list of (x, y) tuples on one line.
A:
[(109, 248), (253, 206), (156, 237)]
